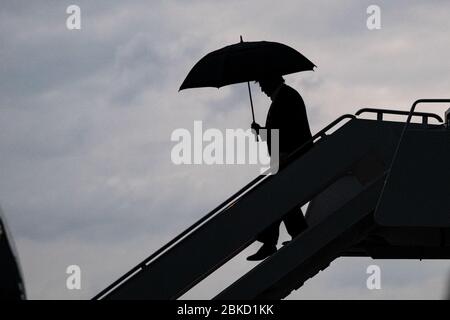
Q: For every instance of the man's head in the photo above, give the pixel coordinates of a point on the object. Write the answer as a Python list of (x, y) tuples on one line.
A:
[(268, 84)]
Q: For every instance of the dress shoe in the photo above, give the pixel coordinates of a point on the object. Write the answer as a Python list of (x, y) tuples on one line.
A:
[(262, 253)]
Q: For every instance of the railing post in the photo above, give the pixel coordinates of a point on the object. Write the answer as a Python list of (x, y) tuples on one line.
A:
[(380, 116)]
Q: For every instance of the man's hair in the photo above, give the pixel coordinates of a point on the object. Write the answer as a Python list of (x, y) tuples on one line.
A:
[(272, 79), (270, 82)]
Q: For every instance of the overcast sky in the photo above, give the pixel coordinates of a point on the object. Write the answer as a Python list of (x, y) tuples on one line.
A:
[(86, 117)]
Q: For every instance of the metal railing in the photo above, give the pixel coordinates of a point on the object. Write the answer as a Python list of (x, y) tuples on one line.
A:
[(380, 112), (402, 135)]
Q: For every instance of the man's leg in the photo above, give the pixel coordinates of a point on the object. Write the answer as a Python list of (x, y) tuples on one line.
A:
[(295, 222), (270, 235), (269, 238)]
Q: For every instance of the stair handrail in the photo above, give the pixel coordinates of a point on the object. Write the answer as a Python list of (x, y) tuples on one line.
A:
[(381, 112)]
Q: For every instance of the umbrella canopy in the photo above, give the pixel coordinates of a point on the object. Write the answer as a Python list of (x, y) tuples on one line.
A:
[(243, 62)]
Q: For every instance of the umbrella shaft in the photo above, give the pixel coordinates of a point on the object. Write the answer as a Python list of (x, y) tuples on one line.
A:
[(251, 100)]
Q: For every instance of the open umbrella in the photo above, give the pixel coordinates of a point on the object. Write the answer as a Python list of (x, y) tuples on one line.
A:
[(245, 62)]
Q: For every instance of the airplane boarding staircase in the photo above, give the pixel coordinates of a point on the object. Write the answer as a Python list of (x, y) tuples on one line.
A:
[(375, 188)]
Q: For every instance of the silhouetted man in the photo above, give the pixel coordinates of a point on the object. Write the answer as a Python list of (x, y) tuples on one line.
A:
[(287, 113)]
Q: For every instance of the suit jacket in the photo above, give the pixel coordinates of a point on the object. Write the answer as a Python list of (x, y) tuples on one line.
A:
[(287, 113)]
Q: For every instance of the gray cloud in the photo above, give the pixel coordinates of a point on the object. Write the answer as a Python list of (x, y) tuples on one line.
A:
[(86, 118)]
